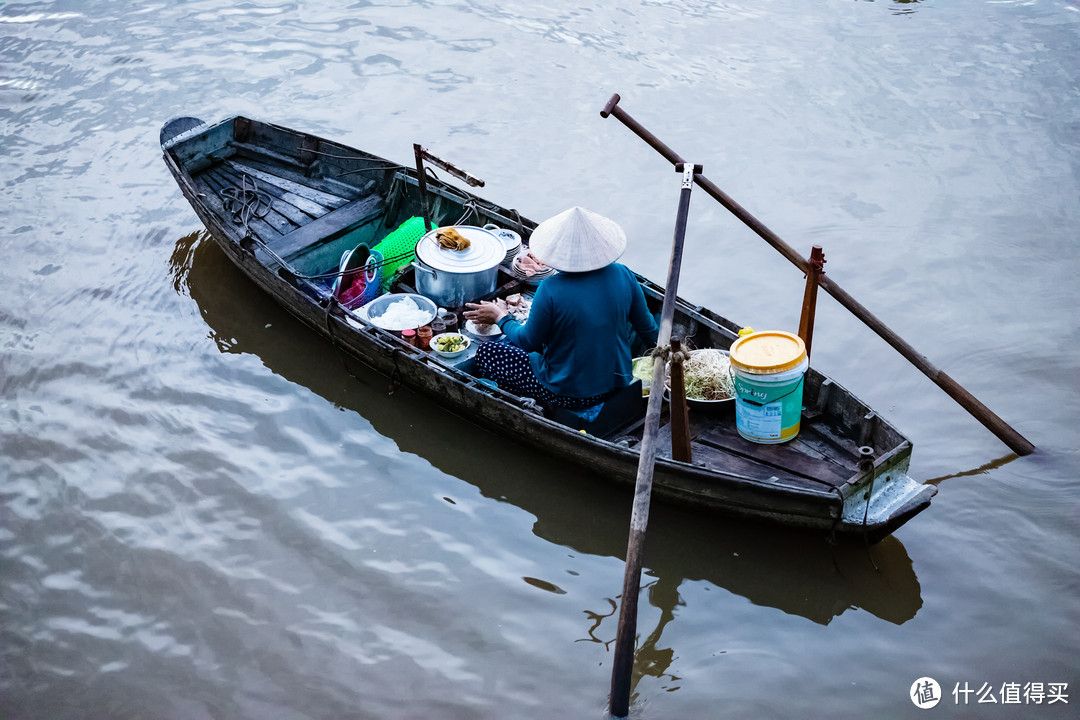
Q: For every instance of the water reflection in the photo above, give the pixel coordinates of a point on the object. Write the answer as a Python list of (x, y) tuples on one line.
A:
[(907, 7), (797, 572), (981, 470)]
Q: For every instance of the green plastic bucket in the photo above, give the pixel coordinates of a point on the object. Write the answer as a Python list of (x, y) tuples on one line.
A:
[(768, 369)]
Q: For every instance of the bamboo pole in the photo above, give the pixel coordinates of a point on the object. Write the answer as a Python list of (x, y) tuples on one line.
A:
[(1016, 442), (626, 632)]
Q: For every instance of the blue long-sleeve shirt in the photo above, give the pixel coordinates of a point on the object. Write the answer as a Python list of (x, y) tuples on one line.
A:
[(578, 333)]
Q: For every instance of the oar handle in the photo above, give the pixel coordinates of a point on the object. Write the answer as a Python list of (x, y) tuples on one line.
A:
[(1016, 442), (626, 631)]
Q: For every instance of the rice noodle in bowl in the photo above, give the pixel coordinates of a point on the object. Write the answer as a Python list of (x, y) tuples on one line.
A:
[(399, 312), (707, 376)]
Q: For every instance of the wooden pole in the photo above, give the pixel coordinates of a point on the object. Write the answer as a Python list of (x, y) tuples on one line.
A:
[(1016, 442), (626, 632), (680, 413), (809, 303), (421, 181)]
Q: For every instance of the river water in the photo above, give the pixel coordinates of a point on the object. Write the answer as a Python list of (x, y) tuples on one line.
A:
[(207, 513)]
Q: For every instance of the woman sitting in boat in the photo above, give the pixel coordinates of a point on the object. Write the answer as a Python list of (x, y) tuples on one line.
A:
[(575, 348)]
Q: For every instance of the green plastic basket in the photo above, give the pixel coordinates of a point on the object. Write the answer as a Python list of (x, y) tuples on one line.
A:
[(398, 249)]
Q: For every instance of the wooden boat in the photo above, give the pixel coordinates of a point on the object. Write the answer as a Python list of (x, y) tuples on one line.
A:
[(288, 207)]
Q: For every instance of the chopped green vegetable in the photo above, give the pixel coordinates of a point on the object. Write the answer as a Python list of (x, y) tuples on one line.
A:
[(643, 369), (451, 343)]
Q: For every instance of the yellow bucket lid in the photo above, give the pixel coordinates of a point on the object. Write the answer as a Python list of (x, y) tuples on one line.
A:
[(765, 353)]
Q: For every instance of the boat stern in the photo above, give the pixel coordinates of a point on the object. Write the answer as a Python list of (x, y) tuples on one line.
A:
[(883, 499)]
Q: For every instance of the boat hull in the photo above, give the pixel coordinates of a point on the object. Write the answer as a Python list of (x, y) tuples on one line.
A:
[(722, 486)]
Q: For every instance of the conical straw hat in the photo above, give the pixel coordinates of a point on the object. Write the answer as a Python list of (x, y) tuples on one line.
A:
[(577, 240)]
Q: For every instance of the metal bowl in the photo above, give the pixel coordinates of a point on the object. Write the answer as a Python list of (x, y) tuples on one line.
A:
[(377, 307), (722, 404)]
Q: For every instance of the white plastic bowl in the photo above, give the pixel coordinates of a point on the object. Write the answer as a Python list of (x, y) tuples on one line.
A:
[(453, 353), (472, 332)]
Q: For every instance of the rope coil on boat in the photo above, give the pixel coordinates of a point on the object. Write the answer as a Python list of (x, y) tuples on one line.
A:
[(245, 204)]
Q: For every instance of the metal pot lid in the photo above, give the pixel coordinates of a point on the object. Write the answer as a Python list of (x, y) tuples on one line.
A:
[(485, 251)]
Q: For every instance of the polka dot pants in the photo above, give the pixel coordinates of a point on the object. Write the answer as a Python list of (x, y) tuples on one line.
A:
[(509, 366)]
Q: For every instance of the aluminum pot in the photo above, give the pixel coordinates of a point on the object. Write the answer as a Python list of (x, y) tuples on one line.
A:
[(452, 278)]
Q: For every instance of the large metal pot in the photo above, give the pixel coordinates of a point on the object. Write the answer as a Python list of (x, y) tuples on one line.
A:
[(452, 278)]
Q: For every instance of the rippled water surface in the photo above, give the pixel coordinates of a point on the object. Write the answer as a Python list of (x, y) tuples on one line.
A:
[(205, 512)]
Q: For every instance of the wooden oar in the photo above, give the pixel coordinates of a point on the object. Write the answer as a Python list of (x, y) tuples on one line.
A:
[(1016, 442), (626, 633)]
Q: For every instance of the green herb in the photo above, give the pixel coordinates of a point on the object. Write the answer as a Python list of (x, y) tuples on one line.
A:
[(451, 343)]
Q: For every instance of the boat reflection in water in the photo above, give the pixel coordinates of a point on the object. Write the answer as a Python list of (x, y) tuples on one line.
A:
[(798, 572)]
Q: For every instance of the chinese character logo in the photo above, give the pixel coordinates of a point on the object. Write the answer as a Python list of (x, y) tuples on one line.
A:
[(925, 693)]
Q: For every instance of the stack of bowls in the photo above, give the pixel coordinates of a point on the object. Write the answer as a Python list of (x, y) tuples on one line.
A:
[(511, 240)]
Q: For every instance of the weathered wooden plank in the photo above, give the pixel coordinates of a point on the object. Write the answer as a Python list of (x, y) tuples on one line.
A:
[(275, 157), (331, 224), (710, 457), (274, 220), (214, 204), (194, 153), (313, 188), (723, 436), (833, 443), (311, 201), (208, 195), (281, 197)]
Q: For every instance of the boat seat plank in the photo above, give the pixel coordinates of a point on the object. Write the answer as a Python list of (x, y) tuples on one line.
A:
[(724, 436), (263, 151), (800, 443), (310, 187), (723, 461), (331, 224), (309, 200), (710, 455), (282, 199), (828, 441)]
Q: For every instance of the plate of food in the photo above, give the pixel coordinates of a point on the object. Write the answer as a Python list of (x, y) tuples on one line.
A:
[(528, 268), (482, 333), (450, 345)]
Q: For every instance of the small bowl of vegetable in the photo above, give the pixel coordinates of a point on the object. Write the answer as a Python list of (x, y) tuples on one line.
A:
[(450, 345)]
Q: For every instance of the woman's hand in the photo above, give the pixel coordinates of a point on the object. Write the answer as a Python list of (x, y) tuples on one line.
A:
[(485, 313)]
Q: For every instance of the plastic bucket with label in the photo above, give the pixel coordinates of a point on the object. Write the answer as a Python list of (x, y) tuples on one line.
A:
[(768, 369)]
